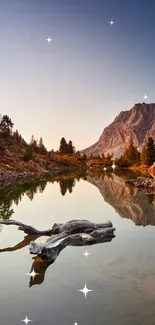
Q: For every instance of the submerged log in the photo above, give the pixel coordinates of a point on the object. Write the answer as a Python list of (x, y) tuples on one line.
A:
[(72, 226), (72, 233), (73, 236)]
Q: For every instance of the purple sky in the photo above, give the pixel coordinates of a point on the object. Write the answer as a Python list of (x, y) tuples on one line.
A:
[(75, 86)]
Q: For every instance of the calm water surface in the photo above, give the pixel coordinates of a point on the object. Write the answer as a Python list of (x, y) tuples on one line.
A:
[(121, 273)]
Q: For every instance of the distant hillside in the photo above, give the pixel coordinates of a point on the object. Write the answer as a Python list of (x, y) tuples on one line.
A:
[(137, 124)]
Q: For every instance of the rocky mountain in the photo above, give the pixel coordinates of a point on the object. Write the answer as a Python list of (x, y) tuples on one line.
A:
[(137, 124), (129, 202)]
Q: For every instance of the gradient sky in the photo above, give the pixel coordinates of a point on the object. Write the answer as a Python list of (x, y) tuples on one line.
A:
[(75, 86)]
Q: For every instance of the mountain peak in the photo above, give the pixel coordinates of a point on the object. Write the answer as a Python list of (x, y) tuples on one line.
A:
[(137, 124)]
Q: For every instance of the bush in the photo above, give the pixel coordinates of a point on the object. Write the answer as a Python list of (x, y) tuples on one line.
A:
[(28, 155)]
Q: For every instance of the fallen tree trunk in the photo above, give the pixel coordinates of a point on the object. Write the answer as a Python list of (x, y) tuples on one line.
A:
[(72, 233), (72, 226)]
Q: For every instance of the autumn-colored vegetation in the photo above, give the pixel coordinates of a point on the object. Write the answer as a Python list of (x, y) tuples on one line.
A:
[(18, 155)]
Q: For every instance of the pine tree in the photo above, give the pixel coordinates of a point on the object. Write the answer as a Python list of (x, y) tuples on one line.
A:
[(77, 154), (70, 148), (150, 152), (63, 146), (41, 148), (6, 125), (109, 158), (103, 156), (131, 153), (63, 187), (33, 144)]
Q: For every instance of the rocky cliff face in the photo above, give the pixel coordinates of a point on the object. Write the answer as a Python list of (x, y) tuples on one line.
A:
[(129, 202), (137, 124)]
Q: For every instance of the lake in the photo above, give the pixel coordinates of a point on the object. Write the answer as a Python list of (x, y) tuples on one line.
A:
[(120, 273)]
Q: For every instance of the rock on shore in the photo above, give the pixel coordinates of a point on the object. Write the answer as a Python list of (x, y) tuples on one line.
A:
[(8, 178), (143, 182)]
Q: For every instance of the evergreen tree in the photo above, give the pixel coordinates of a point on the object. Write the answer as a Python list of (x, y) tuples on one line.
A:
[(103, 156), (6, 125), (28, 155), (77, 154), (109, 158), (70, 148), (41, 148), (6, 211), (63, 187), (63, 146), (150, 152), (131, 153), (33, 144)]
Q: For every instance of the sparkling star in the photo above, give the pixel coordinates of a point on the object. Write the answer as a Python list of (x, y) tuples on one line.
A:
[(32, 274), (49, 40), (111, 22), (26, 320), (41, 194), (145, 97), (86, 254), (85, 290)]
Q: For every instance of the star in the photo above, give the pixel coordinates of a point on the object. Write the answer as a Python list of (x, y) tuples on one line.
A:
[(113, 166), (111, 22), (145, 97), (85, 290), (32, 274), (49, 40), (26, 320), (86, 254), (41, 194)]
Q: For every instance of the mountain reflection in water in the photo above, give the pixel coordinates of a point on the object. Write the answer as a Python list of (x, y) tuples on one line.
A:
[(128, 201)]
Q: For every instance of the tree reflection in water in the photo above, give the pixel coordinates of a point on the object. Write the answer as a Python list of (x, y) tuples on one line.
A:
[(112, 187)]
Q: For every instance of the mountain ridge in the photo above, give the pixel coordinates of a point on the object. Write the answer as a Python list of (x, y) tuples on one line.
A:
[(136, 124)]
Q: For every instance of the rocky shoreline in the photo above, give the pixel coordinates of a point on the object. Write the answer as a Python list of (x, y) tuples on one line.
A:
[(143, 182), (6, 179)]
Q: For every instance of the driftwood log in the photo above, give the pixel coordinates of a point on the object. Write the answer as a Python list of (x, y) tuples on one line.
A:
[(72, 233)]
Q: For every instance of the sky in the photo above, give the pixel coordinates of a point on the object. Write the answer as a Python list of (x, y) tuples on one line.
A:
[(90, 72)]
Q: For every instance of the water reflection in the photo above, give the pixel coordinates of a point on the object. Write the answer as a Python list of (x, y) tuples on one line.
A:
[(40, 264), (13, 194), (128, 201), (66, 184)]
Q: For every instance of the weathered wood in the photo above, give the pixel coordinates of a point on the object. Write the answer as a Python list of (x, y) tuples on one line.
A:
[(72, 233), (54, 245), (72, 226)]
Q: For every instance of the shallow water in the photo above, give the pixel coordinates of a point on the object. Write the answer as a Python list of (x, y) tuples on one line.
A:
[(121, 273)]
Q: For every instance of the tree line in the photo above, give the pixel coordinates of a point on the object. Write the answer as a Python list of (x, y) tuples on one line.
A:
[(130, 156), (14, 138)]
